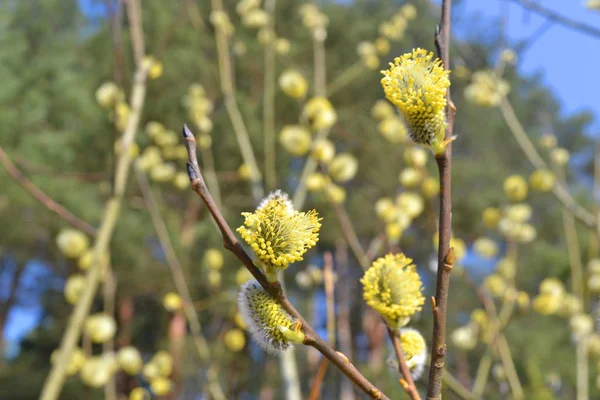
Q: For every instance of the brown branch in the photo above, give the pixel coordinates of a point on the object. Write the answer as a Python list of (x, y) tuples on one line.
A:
[(559, 19), (231, 243), (42, 170), (43, 197), (445, 254), (315, 390), (328, 279), (349, 234), (179, 280), (344, 328), (407, 382)]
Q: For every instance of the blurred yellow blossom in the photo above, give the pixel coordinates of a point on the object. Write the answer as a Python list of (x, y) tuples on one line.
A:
[(295, 139), (515, 187), (293, 84), (343, 167), (392, 287), (72, 243), (560, 156), (393, 129), (323, 150), (542, 180), (486, 89)]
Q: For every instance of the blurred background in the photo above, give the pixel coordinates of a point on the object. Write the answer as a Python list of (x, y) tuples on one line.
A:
[(287, 95)]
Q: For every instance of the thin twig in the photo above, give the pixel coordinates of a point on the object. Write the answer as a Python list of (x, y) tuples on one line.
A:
[(577, 286), (328, 279), (559, 19), (407, 382), (269, 102), (56, 378), (445, 254), (109, 289), (581, 354), (457, 387), (349, 233), (43, 197), (134, 14), (320, 78), (231, 243), (509, 367), (573, 249), (178, 278), (345, 77), (315, 390), (237, 121), (481, 376), (344, 328), (43, 170)]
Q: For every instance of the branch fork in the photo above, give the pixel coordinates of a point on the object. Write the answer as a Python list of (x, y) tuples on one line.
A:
[(231, 243)]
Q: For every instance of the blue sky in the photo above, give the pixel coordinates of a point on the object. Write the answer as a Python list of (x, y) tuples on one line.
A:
[(568, 60)]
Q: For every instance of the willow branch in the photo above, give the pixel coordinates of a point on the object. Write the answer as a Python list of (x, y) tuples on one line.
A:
[(445, 254), (269, 103), (559, 190), (481, 376), (227, 87), (178, 278), (56, 378), (320, 77), (109, 289), (509, 367), (573, 250), (457, 387), (43, 170), (208, 162), (577, 285), (42, 197), (231, 243), (315, 389), (558, 18), (349, 233), (328, 279), (345, 77), (407, 382), (581, 355)]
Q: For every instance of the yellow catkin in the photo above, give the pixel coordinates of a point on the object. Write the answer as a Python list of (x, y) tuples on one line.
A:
[(392, 287), (278, 234), (265, 318), (417, 84)]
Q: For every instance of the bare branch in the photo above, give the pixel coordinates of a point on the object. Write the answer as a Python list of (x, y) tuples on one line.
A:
[(407, 382), (56, 378), (445, 254), (43, 197), (231, 243), (559, 19), (179, 279)]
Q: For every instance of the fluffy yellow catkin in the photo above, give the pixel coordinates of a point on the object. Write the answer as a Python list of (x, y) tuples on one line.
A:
[(417, 84), (271, 327), (278, 234), (392, 287)]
